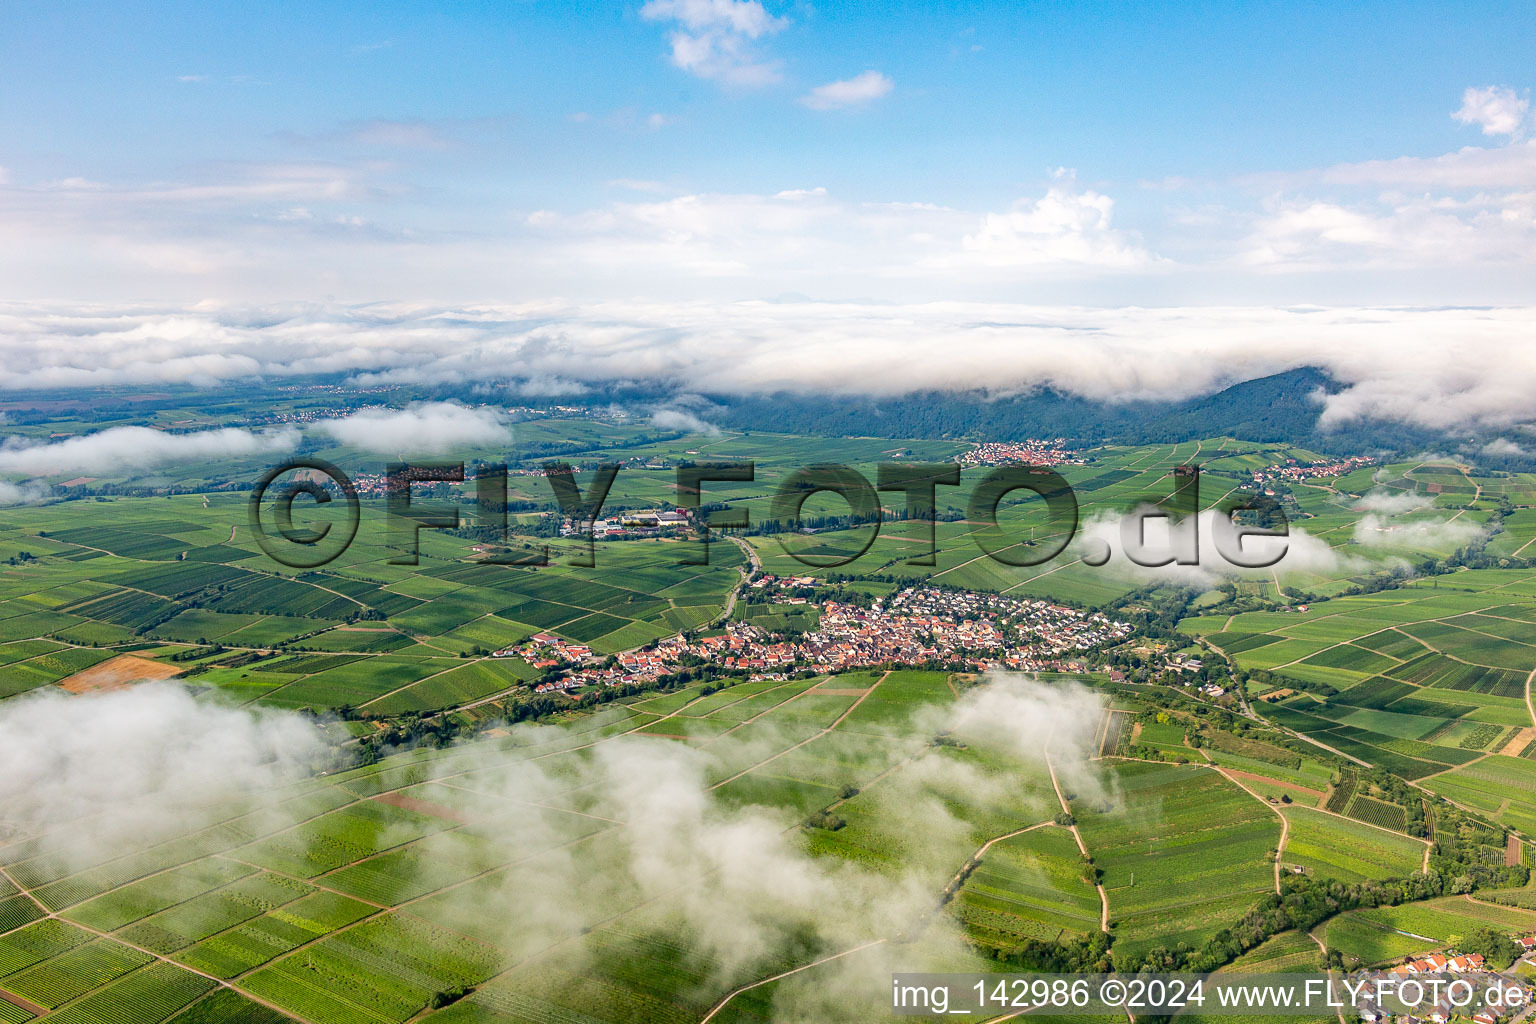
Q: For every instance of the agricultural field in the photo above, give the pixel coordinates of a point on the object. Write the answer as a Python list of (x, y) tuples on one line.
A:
[(1330, 846), (1030, 886), (1420, 680), (363, 896), (574, 871), (1504, 788), (1160, 870), (184, 571), (1388, 933), (1286, 953)]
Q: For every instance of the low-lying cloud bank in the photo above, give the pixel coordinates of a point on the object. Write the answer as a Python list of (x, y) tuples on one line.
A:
[(1394, 520), (630, 824), (1433, 533), (138, 448), (27, 493), (428, 428), (1101, 540), (1442, 368), (1388, 502), (122, 771)]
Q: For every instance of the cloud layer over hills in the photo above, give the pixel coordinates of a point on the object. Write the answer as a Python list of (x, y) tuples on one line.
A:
[(1442, 368)]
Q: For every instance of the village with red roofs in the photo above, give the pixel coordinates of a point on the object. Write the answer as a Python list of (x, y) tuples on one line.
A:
[(916, 625)]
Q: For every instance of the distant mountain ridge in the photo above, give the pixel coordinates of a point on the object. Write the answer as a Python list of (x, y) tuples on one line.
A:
[(1283, 407)]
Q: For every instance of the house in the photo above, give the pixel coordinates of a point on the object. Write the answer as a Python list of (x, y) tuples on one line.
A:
[(1484, 1017), (1528, 943)]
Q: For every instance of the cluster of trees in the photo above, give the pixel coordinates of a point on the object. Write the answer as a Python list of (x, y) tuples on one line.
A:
[(1302, 903), (449, 996), (1475, 555), (1497, 949), (409, 731), (825, 819), (1077, 955), (1260, 675), (1470, 852)]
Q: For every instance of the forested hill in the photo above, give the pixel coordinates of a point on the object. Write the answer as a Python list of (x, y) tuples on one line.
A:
[(1281, 408)]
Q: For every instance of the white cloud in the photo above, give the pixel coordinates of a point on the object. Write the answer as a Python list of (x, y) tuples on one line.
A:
[(120, 771), (803, 234), (27, 493), (679, 419), (353, 230), (1391, 522), (1502, 446), (96, 778), (1496, 109), (111, 451), (431, 428), (1062, 227), (849, 92), (716, 38), (1393, 503), (1303, 553), (1434, 535)]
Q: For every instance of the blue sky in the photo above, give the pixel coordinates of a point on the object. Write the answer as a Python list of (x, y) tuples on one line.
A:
[(746, 195), (1106, 154)]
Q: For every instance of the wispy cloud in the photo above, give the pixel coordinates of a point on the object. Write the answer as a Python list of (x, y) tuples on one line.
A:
[(736, 891), (1104, 537), (1502, 446), (1455, 228), (384, 133), (849, 92), (26, 493), (1473, 167), (1438, 533), (1393, 503)]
